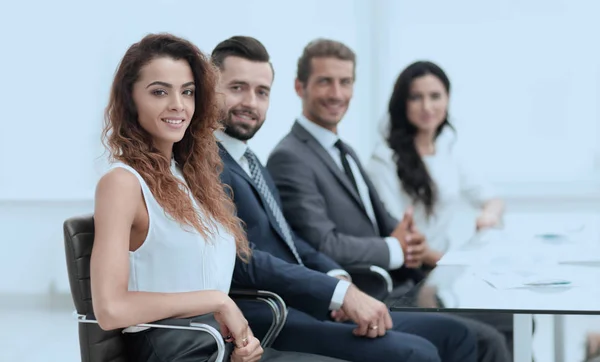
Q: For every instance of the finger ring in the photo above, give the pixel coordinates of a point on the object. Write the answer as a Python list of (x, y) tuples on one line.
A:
[(373, 327)]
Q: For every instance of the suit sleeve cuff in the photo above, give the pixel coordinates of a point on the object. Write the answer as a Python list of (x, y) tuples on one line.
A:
[(396, 253), (338, 272), (339, 294)]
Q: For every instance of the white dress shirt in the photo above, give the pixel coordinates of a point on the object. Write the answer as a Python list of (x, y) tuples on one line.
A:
[(236, 150), (327, 139), (454, 179)]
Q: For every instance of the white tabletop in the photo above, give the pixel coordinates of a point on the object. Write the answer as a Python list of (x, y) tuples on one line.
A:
[(536, 264)]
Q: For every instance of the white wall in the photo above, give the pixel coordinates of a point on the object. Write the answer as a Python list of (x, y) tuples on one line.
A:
[(525, 82), (61, 68), (32, 260), (517, 102), (525, 79)]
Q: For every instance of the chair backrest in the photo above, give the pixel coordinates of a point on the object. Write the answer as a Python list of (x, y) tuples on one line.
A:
[(96, 345)]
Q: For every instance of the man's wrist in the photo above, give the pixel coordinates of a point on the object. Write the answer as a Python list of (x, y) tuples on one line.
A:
[(397, 252), (339, 294)]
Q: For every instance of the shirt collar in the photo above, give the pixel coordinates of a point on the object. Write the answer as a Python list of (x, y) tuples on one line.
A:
[(234, 147), (325, 137)]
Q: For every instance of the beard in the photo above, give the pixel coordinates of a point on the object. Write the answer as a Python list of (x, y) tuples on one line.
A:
[(240, 131)]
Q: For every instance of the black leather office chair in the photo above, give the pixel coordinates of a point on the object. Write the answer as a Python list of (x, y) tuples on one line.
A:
[(97, 345)]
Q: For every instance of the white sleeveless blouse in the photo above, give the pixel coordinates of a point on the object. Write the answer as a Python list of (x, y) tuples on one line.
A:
[(175, 258)]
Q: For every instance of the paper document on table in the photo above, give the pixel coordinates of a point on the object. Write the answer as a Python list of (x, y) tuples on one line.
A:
[(522, 279), (578, 254), (494, 257), (519, 252), (463, 257)]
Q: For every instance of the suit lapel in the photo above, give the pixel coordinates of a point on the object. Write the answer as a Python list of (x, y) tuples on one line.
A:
[(236, 168), (317, 148)]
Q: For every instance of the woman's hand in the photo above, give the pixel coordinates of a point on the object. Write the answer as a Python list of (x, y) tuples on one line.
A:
[(252, 352), (487, 220), (234, 326)]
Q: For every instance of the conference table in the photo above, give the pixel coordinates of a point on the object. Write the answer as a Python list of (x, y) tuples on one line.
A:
[(535, 264)]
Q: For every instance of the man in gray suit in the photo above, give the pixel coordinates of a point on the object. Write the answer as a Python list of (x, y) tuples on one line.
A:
[(329, 200), (326, 195)]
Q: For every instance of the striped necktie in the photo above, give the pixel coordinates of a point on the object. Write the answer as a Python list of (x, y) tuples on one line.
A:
[(261, 185)]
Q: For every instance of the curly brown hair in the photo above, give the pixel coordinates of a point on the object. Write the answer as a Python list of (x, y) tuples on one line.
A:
[(197, 153)]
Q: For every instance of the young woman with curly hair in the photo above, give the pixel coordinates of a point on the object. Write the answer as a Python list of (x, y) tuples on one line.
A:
[(166, 235)]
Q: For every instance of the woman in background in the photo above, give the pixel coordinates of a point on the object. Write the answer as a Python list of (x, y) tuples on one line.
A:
[(166, 236), (417, 166)]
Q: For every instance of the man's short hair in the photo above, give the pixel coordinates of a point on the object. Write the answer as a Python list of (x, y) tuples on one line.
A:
[(322, 48), (244, 47)]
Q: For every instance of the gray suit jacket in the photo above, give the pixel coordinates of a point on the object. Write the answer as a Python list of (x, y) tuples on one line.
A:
[(321, 205)]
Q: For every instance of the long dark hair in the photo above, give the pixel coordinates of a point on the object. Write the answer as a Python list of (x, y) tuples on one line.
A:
[(410, 167), (197, 152)]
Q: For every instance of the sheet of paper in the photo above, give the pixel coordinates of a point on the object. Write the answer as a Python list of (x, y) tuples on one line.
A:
[(578, 254), (523, 278), (495, 257), (504, 250)]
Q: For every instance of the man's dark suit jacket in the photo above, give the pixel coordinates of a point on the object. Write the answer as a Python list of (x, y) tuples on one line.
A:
[(272, 266)]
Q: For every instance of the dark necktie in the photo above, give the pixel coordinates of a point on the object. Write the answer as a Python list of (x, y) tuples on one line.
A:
[(261, 185), (345, 164), (348, 171)]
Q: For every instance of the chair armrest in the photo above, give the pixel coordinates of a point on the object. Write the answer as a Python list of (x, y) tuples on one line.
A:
[(274, 301), (372, 279), (174, 323)]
